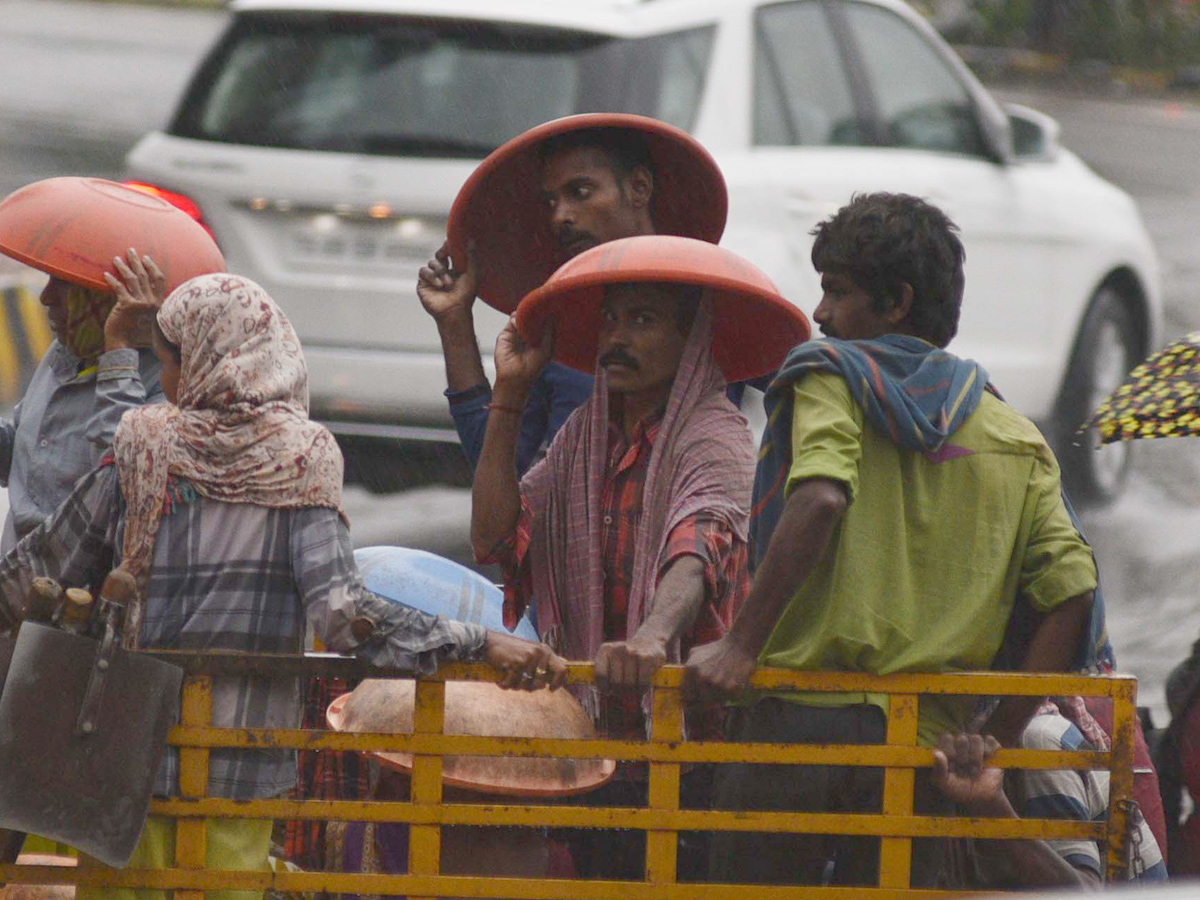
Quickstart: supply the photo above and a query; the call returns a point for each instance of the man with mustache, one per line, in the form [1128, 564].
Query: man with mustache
[906, 517]
[630, 535]
[535, 202]
[539, 200]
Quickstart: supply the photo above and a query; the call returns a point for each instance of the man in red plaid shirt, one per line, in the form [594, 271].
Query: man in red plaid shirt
[631, 533]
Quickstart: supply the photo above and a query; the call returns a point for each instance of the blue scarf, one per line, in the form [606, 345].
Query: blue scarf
[914, 393]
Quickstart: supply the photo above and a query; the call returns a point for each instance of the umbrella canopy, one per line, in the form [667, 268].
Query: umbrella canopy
[1160, 398]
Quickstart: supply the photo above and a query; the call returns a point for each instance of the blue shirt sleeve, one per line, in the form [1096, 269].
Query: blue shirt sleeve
[554, 396]
[125, 379]
[469, 409]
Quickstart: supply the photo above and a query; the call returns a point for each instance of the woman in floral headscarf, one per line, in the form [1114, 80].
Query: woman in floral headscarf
[226, 504]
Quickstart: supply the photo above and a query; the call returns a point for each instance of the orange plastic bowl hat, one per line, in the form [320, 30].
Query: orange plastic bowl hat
[481, 708]
[753, 327]
[501, 209]
[73, 227]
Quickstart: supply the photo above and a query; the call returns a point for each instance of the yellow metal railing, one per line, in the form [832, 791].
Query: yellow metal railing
[662, 819]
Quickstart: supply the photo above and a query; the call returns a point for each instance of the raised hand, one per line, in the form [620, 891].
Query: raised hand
[518, 362]
[140, 288]
[445, 290]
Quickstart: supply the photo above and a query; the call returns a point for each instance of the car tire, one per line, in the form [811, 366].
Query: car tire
[1108, 347]
[384, 467]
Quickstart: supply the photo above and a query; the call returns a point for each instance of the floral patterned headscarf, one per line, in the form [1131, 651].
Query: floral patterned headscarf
[87, 311]
[239, 430]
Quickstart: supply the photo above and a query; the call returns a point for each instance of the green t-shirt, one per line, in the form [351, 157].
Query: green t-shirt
[925, 565]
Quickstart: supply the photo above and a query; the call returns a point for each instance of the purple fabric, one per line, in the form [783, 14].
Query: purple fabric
[391, 848]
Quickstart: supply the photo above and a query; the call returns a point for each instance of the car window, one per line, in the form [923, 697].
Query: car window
[801, 92]
[423, 87]
[920, 98]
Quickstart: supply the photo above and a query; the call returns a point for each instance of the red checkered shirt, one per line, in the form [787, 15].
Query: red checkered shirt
[724, 554]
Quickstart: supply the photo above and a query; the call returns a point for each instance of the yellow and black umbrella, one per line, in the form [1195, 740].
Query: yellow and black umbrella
[1160, 398]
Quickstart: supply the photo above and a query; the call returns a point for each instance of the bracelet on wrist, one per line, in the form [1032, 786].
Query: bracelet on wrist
[505, 407]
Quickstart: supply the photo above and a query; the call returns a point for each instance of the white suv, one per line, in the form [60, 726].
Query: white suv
[323, 141]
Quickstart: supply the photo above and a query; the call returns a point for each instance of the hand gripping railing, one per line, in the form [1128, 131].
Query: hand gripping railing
[662, 819]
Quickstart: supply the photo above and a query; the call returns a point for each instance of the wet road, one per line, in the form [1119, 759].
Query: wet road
[78, 83]
[1148, 544]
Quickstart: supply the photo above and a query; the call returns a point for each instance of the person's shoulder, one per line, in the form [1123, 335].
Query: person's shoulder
[820, 386]
[1003, 429]
[717, 431]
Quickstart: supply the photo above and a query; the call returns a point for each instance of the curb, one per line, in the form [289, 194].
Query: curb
[24, 338]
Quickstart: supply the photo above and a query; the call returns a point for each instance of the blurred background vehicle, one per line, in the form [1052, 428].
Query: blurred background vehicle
[322, 141]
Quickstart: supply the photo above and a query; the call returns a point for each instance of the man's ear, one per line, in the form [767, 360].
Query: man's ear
[641, 187]
[902, 305]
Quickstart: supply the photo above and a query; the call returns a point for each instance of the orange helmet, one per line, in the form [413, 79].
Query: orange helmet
[753, 326]
[72, 227]
[500, 207]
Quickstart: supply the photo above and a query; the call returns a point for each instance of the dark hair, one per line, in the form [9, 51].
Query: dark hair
[882, 241]
[173, 349]
[624, 148]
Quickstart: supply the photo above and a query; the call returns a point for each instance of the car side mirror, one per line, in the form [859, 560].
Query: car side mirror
[1034, 134]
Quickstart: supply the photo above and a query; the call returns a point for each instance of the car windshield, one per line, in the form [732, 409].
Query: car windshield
[424, 87]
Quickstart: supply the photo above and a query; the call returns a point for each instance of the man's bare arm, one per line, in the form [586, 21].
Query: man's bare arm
[962, 773]
[677, 601]
[448, 294]
[805, 528]
[496, 490]
[1051, 650]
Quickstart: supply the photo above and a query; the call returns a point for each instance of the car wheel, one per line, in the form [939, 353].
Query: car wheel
[384, 467]
[1107, 349]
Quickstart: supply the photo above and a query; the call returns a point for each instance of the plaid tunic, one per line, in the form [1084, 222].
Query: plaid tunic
[234, 577]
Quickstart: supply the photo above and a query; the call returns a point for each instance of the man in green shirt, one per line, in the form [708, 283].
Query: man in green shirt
[903, 510]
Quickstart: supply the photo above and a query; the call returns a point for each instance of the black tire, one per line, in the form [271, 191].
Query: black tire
[384, 467]
[1108, 347]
